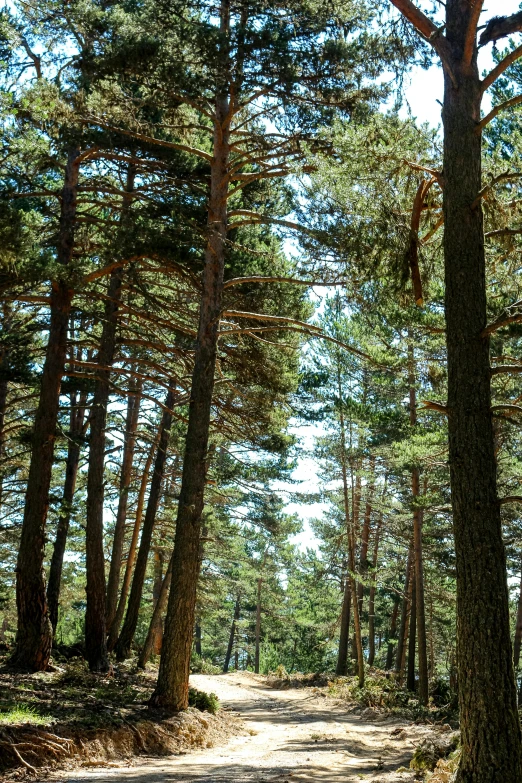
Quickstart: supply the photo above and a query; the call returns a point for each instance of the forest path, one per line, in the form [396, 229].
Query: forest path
[294, 735]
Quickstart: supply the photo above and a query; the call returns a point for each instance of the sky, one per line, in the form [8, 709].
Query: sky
[423, 94]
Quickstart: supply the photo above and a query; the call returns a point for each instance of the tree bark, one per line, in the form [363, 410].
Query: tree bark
[489, 721]
[231, 639]
[133, 411]
[373, 588]
[120, 611]
[76, 427]
[34, 633]
[123, 645]
[344, 633]
[172, 687]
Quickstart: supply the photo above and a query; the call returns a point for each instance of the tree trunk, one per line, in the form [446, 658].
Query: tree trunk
[410, 679]
[489, 721]
[77, 416]
[172, 687]
[123, 645]
[120, 611]
[417, 541]
[95, 620]
[365, 536]
[344, 634]
[35, 634]
[133, 411]
[392, 635]
[518, 629]
[4, 390]
[155, 623]
[258, 626]
[156, 592]
[232, 636]
[373, 588]
[197, 638]
[403, 629]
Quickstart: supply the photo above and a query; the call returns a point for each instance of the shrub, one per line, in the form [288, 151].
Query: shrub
[205, 702]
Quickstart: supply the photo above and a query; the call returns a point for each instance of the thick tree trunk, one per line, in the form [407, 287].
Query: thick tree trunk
[410, 679]
[344, 633]
[232, 636]
[133, 411]
[373, 588]
[127, 576]
[71, 471]
[123, 645]
[489, 721]
[392, 634]
[258, 626]
[34, 634]
[172, 686]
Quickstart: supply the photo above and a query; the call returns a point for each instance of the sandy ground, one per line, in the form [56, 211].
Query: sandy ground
[294, 735]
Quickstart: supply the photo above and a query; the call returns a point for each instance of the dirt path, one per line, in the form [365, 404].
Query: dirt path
[292, 735]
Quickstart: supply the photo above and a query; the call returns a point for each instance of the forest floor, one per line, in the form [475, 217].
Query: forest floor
[297, 735]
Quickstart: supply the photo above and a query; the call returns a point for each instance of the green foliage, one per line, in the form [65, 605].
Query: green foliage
[24, 714]
[205, 702]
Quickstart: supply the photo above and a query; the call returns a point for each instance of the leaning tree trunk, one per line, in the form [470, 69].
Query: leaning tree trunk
[35, 634]
[172, 687]
[123, 645]
[489, 721]
[129, 444]
[232, 637]
[62, 529]
[155, 623]
[344, 634]
[129, 566]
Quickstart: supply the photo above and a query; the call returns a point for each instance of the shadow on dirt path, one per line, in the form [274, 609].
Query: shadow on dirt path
[298, 736]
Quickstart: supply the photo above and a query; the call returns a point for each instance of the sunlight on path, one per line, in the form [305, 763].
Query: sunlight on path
[296, 736]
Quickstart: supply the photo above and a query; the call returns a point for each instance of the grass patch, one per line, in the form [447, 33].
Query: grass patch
[23, 714]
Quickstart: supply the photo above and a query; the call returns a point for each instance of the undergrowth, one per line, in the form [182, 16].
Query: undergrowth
[387, 693]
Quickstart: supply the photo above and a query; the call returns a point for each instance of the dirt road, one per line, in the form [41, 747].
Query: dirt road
[291, 735]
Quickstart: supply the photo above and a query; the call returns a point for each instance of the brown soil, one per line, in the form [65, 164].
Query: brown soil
[290, 735]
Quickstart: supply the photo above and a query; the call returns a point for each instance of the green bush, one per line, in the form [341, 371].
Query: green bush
[205, 702]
